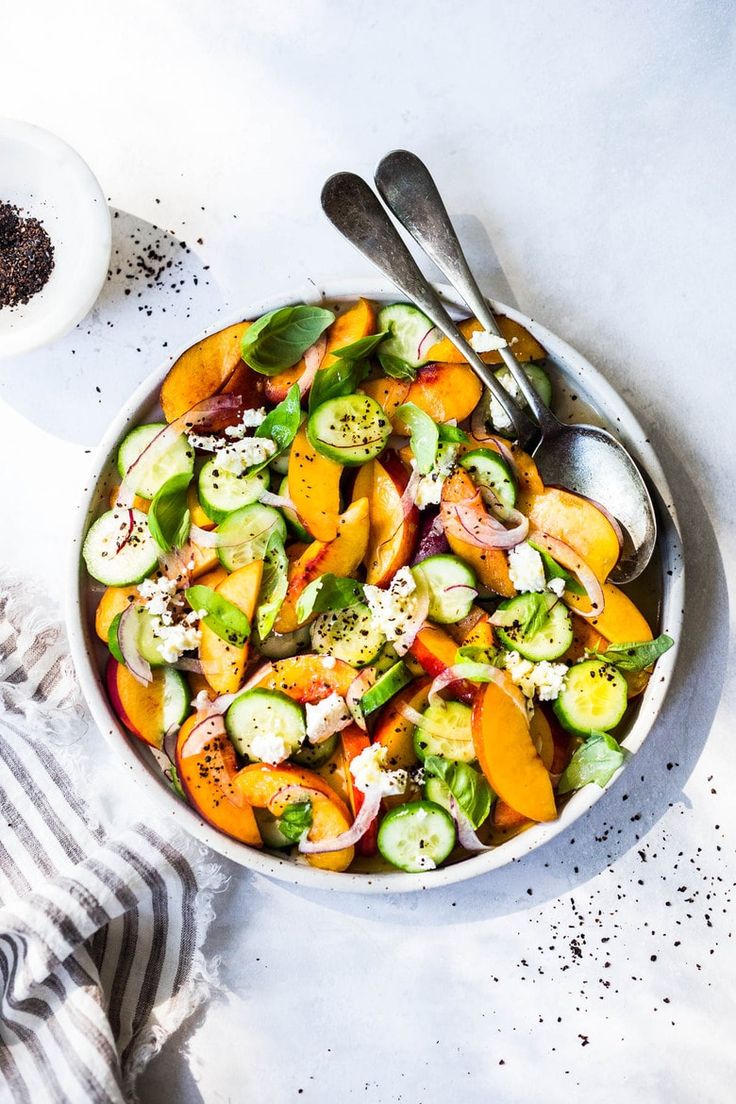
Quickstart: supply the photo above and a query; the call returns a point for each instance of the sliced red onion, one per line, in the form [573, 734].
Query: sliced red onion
[409, 494]
[175, 565]
[462, 520]
[365, 816]
[466, 835]
[358, 687]
[312, 360]
[212, 414]
[170, 738]
[209, 728]
[291, 794]
[127, 535]
[567, 557]
[476, 672]
[192, 665]
[128, 626]
[478, 424]
[430, 338]
[281, 502]
[205, 538]
[432, 539]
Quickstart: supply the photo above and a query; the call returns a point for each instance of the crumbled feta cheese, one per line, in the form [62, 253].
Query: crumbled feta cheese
[269, 748]
[543, 680]
[429, 489]
[201, 701]
[369, 772]
[483, 341]
[526, 568]
[251, 420]
[241, 455]
[172, 640]
[326, 717]
[557, 586]
[158, 597]
[328, 661]
[394, 607]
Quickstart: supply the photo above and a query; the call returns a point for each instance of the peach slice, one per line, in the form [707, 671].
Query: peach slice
[210, 367]
[490, 564]
[308, 678]
[207, 769]
[260, 784]
[579, 523]
[393, 533]
[140, 708]
[205, 560]
[541, 734]
[394, 731]
[435, 651]
[620, 622]
[506, 751]
[196, 513]
[340, 556]
[525, 346]
[314, 487]
[223, 663]
[389, 393]
[445, 392]
[353, 741]
[113, 601]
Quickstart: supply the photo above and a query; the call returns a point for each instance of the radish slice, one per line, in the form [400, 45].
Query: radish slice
[366, 815]
[466, 835]
[568, 558]
[312, 360]
[139, 668]
[212, 414]
[358, 687]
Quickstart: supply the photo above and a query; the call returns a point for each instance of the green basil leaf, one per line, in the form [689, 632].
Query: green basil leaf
[168, 516]
[173, 776]
[282, 423]
[273, 585]
[338, 379]
[396, 367]
[452, 435]
[295, 820]
[596, 760]
[279, 339]
[540, 605]
[222, 616]
[425, 436]
[553, 570]
[328, 592]
[361, 348]
[467, 785]
[474, 653]
[637, 657]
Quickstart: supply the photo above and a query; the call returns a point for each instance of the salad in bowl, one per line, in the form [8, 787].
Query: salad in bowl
[343, 609]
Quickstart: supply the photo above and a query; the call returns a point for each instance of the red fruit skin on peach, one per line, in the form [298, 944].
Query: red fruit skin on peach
[111, 672]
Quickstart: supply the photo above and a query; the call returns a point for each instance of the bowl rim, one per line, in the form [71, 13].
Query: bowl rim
[627, 427]
[42, 331]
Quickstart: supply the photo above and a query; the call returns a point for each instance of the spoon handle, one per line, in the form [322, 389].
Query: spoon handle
[408, 189]
[353, 208]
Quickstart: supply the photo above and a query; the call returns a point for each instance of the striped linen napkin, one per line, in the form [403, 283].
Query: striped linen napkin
[102, 921]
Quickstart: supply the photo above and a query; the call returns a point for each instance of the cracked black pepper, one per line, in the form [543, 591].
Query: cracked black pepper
[26, 256]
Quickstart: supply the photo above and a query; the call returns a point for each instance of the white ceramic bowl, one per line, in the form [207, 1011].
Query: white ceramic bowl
[43, 175]
[571, 373]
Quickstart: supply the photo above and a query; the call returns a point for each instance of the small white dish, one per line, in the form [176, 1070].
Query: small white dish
[45, 177]
[594, 398]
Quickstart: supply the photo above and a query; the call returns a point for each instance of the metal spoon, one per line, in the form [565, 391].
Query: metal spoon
[583, 458]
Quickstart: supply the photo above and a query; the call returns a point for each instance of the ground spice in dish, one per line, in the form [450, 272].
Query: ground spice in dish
[26, 256]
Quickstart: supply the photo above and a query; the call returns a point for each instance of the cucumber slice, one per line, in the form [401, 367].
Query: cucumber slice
[146, 639]
[386, 659]
[280, 462]
[292, 518]
[594, 698]
[316, 755]
[351, 429]
[265, 715]
[245, 533]
[177, 460]
[550, 641]
[410, 333]
[112, 640]
[389, 683]
[123, 566]
[416, 836]
[540, 382]
[350, 634]
[435, 790]
[451, 585]
[222, 492]
[488, 469]
[446, 730]
[177, 698]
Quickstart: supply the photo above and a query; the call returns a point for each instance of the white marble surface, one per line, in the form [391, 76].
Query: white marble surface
[594, 145]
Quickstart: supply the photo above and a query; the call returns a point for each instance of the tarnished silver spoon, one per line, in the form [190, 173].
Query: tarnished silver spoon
[573, 456]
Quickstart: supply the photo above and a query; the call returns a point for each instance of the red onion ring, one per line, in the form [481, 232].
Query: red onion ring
[466, 835]
[195, 666]
[175, 565]
[358, 687]
[432, 332]
[298, 793]
[280, 502]
[366, 815]
[139, 668]
[461, 520]
[213, 413]
[209, 728]
[481, 672]
[568, 558]
[312, 360]
[409, 494]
